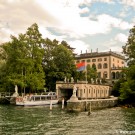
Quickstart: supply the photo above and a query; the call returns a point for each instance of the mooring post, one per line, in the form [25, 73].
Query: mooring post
[90, 107]
[63, 103]
[51, 105]
[89, 112]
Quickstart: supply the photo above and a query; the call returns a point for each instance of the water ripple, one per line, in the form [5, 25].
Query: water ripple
[41, 121]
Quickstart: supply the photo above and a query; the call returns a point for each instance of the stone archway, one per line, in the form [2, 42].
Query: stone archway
[65, 93]
[113, 75]
[117, 75]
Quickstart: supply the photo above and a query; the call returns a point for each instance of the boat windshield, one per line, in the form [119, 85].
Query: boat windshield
[42, 97]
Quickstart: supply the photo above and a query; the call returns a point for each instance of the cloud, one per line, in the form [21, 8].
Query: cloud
[89, 2]
[79, 46]
[121, 38]
[84, 10]
[61, 16]
[108, 22]
[129, 3]
[116, 49]
[21, 14]
[47, 34]
[75, 26]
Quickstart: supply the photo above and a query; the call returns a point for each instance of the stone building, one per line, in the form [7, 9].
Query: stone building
[108, 64]
[84, 90]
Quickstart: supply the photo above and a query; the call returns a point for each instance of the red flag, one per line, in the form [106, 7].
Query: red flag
[80, 66]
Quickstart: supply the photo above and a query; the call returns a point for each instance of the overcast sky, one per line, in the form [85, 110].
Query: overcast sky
[84, 24]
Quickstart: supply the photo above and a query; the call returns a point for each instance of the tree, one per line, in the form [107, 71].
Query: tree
[129, 48]
[91, 73]
[58, 62]
[127, 90]
[24, 60]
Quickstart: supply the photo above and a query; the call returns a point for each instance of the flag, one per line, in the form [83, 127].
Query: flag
[80, 66]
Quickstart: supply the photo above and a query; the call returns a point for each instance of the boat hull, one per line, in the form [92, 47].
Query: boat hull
[36, 103]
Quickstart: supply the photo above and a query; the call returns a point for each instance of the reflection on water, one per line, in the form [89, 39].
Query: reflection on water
[16, 120]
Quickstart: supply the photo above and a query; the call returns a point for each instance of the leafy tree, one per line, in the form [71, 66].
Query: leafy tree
[127, 93]
[129, 48]
[116, 87]
[91, 73]
[58, 62]
[24, 60]
[127, 90]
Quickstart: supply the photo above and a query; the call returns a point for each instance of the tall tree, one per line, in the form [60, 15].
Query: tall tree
[91, 73]
[127, 90]
[24, 61]
[59, 62]
[129, 48]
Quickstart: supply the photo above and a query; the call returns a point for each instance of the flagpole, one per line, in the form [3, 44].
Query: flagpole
[86, 72]
[86, 80]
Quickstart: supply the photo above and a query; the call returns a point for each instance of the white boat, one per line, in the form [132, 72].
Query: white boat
[37, 100]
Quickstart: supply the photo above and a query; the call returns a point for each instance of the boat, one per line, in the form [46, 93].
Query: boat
[37, 100]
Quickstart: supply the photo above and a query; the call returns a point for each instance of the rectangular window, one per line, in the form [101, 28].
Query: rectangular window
[100, 59]
[88, 60]
[93, 60]
[83, 60]
[105, 59]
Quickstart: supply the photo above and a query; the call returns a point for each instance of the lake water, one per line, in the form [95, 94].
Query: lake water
[16, 120]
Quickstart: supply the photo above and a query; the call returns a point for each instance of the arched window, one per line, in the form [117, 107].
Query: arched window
[99, 66]
[93, 66]
[105, 74]
[113, 75]
[117, 75]
[105, 65]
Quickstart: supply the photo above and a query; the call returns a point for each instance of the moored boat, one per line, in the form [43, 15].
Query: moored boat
[37, 100]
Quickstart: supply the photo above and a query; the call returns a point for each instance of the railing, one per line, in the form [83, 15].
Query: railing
[117, 68]
[4, 94]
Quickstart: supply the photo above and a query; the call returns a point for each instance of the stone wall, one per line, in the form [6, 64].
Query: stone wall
[84, 91]
[86, 105]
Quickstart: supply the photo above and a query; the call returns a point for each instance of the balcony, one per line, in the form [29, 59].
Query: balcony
[117, 68]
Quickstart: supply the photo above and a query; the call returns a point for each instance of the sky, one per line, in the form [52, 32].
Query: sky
[84, 24]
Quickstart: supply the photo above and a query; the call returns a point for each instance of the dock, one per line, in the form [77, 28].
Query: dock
[91, 104]
[5, 97]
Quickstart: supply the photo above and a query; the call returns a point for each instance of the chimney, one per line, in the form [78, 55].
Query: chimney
[81, 51]
[97, 50]
[91, 50]
[86, 51]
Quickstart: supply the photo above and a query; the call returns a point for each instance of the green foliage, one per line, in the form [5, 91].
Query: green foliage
[116, 87]
[24, 60]
[33, 63]
[91, 73]
[129, 48]
[127, 90]
[58, 62]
